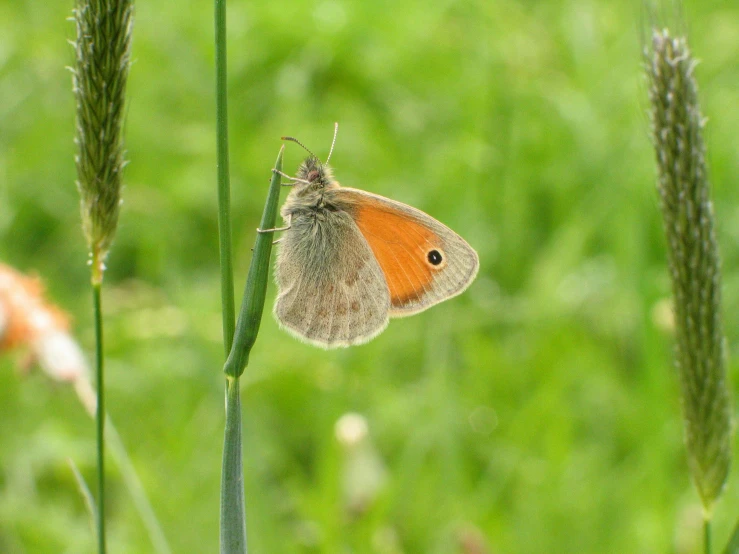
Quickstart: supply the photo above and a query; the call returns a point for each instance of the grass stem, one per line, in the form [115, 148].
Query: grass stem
[224, 186]
[99, 413]
[100, 75]
[233, 512]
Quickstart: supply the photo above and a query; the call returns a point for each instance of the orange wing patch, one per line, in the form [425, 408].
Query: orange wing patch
[402, 247]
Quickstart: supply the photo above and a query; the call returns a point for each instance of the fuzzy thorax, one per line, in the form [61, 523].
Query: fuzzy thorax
[314, 178]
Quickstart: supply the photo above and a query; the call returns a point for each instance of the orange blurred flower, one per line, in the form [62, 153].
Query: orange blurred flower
[27, 320]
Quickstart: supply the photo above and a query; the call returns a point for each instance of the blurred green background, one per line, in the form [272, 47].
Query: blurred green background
[536, 413]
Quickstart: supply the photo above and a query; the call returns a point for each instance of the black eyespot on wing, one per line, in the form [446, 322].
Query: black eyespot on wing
[434, 257]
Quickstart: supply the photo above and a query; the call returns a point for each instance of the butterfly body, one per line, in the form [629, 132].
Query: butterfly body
[350, 260]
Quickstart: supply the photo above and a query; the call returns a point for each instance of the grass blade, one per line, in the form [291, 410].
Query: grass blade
[85, 492]
[233, 513]
[252, 305]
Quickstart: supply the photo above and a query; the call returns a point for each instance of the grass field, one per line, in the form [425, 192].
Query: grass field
[537, 413]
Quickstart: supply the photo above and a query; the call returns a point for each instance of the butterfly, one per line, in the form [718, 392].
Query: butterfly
[349, 260]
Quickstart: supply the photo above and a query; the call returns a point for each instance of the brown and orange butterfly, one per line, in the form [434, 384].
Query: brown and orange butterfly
[349, 260]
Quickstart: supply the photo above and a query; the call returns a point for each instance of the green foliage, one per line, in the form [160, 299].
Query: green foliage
[538, 411]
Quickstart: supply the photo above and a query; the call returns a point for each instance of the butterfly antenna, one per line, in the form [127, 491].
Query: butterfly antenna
[333, 142]
[301, 144]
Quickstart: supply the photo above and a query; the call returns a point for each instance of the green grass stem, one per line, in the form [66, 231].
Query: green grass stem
[233, 521]
[224, 186]
[233, 512]
[100, 75]
[99, 412]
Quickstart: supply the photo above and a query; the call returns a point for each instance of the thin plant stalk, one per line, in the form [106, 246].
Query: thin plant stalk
[233, 512]
[99, 412]
[102, 46]
[224, 186]
[114, 445]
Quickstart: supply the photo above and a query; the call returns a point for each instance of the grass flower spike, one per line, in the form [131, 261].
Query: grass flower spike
[677, 132]
[102, 47]
[103, 51]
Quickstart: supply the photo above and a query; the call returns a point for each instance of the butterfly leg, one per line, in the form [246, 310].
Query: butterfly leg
[286, 176]
[285, 228]
[278, 241]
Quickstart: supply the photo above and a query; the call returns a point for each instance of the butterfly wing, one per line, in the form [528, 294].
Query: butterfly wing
[423, 261]
[331, 289]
